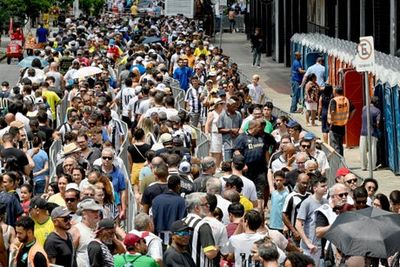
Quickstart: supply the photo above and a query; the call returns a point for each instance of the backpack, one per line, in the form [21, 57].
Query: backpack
[130, 264]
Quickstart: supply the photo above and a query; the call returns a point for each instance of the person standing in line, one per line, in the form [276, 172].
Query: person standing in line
[256, 92]
[311, 99]
[58, 244]
[257, 45]
[340, 111]
[30, 253]
[297, 78]
[177, 254]
[232, 19]
[375, 114]
[323, 104]
[319, 70]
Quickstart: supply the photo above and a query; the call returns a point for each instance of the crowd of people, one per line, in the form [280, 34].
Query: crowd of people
[208, 211]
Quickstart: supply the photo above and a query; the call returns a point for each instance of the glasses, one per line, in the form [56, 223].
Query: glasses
[70, 200]
[341, 195]
[352, 181]
[183, 233]
[92, 123]
[66, 219]
[306, 146]
[107, 158]
[300, 162]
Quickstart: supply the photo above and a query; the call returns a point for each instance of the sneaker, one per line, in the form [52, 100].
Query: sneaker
[259, 67]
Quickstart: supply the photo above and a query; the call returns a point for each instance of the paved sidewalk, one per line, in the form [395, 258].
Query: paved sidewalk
[276, 79]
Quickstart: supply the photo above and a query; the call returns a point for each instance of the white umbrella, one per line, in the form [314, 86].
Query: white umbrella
[85, 72]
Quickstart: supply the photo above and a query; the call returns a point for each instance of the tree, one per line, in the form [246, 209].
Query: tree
[92, 7]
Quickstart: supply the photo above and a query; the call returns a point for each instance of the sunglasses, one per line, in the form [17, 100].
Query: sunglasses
[305, 146]
[107, 158]
[66, 219]
[183, 233]
[70, 200]
[351, 181]
[341, 195]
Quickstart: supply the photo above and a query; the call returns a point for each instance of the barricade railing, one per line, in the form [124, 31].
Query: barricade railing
[55, 147]
[239, 23]
[131, 207]
[62, 110]
[178, 93]
[203, 144]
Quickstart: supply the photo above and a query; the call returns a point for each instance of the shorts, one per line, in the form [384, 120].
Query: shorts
[311, 105]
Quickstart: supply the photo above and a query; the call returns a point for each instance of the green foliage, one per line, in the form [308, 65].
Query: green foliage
[91, 7]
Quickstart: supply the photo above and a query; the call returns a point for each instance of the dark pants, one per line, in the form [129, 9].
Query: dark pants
[336, 142]
[127, 121]
[39, 187]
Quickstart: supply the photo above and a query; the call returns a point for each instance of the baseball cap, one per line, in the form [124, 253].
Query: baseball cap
[131, 239]
[175, 118]
[291, 123]
[342, 171]
[106, 223]
[38, 203]
[178, 226]
[309, 136]
[184, 167]
[88, 204]
[165, 138]
[73, 186]
[60, 212]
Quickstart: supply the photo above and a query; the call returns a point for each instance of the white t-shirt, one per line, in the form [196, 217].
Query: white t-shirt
[223, 204]
[154, 244]
[219, 233]
[256, 93]
[248, 190]
[127, 97]
[171, 112]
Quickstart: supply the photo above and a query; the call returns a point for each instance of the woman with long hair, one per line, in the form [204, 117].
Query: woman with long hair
[281, 128]
[311, 99]
[148, 127]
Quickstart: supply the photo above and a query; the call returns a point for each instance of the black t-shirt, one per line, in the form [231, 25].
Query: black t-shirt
[174, 258]
[49, 136]
[291, 177]
[321, 221]
[152, 191]
[134, 152]
[99, 255]
[22, 257]
[22, 160]
[60, 249]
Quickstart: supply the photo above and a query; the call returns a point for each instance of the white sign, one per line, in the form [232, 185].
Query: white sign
[174, 7]
[365, 59]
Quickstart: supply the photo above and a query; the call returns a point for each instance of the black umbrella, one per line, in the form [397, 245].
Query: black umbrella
[368, 232]
[151, 39]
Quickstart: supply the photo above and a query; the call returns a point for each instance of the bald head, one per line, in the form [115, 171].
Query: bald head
[232, 195]
[9, 117]
[157, 161]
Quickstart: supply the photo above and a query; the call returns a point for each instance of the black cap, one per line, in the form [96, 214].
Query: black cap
[39, 203]
[178, 226]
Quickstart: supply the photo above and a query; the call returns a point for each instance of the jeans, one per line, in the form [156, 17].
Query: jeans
[256, 57]
[296, 96]
[39, 187]
[232, 24]
[336, 142]
[228, 153]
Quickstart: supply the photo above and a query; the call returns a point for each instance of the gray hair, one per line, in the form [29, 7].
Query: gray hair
[302, 155]
[142, 221]
[336, 187]
[214, 186]
[109, 149]
[208, 163]
[193, 200]
[310, 163]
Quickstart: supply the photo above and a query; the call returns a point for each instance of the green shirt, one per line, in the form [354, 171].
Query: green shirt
[267, 129]
[139, 260]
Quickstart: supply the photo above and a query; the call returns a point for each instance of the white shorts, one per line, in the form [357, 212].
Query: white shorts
[311, 106]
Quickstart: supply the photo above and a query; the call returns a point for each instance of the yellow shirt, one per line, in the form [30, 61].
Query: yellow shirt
[52, 99]
[42, 231]
[198, 52]
[246, 203]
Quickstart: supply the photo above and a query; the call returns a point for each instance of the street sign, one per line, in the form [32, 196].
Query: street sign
[365, 58]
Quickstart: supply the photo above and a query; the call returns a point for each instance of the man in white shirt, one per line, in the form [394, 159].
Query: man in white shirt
[256, 91]
[126, 96]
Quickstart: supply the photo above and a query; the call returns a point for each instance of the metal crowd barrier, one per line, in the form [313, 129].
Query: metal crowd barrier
[55, 147]
[131, 207]
[239, 23]
[178, 94]
[203, 144]
[62, 110]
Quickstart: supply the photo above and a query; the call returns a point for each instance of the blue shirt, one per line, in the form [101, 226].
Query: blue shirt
[319, 71]
[296, 75]
[42, 35]
[40, 160]
[140, 67]
[118, 180]
[183, 74]
[375, 118]
[277, 201]
[167, 208]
